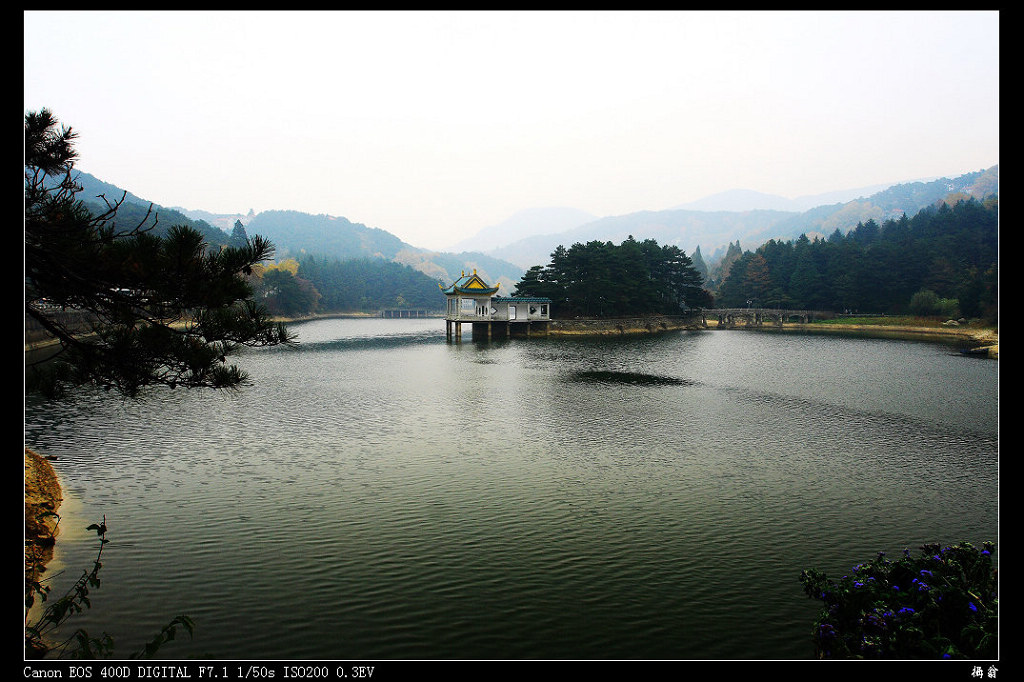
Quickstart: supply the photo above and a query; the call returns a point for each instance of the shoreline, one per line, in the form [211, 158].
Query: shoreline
[984, 341]
[650, 324]
[981, 341]
[43, 497]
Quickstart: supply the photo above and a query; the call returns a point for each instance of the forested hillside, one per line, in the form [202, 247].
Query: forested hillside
[298, 234]
[944, 260]
[316, 284]
[946, 255]
[323, 263]
[890, 203]
[134, 212]
[369, 284]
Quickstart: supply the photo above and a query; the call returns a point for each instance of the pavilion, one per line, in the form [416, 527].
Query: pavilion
[470, 299]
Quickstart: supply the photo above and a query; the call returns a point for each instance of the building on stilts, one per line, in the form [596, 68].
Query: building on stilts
[471, 300]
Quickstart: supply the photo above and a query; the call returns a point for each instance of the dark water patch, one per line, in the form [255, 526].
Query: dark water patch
[628, 378]
[371, 343]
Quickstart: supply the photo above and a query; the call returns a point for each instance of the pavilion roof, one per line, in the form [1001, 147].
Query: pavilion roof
[470, 284]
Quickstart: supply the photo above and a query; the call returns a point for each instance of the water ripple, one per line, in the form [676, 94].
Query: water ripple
[383, 494]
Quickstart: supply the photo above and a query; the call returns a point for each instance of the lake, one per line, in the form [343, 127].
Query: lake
[379, 493]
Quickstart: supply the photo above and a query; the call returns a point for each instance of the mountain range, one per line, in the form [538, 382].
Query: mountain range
[502, 252]
[753, 218]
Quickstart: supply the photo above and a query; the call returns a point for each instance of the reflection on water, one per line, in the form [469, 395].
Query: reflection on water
[380, 493]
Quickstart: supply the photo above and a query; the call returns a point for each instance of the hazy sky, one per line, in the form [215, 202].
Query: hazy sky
[433, 125]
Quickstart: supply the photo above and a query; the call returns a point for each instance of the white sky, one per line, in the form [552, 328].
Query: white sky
[434, 125]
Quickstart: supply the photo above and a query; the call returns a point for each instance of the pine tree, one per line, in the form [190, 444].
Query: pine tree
[238, 236]
[700, 265]
[600, 279]
[129, 309]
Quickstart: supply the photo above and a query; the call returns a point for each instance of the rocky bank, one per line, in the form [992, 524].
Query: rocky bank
[620, 326]
[43, 496]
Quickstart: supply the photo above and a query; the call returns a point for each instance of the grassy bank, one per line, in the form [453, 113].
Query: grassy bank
[904, 321]
[977, 336]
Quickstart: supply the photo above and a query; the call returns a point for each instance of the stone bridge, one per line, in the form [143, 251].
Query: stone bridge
[407, 312]
[757, 317]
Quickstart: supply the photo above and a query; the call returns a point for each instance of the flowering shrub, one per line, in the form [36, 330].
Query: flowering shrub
[942, 604]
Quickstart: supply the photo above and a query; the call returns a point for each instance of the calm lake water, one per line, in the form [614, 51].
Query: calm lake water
[379, 493]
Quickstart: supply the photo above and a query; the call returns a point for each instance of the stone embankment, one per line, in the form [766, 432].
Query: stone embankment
[621, 326]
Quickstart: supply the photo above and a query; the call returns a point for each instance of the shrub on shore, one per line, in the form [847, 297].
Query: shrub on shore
[941, 604]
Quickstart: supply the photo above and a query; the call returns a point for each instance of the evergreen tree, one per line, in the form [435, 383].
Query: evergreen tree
[733, 293]
[952, 251]
[238, 236]
[700, 266]
[363, 284]
[531, 283]
[288, 295]
[806, 285]
[129, 309]
[757, 280]
[866, 233]
[601, 279]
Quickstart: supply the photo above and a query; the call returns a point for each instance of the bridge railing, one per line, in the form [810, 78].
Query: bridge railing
[757, 316]
[407, 312]
[819, 314]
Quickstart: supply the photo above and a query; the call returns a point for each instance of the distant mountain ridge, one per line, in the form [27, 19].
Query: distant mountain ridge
[523, 224]
[98, 195]
[702, 223]
[750, 200]
[295, 234]
[714, 230]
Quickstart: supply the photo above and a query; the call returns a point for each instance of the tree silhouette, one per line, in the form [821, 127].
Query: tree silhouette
[129, 309]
